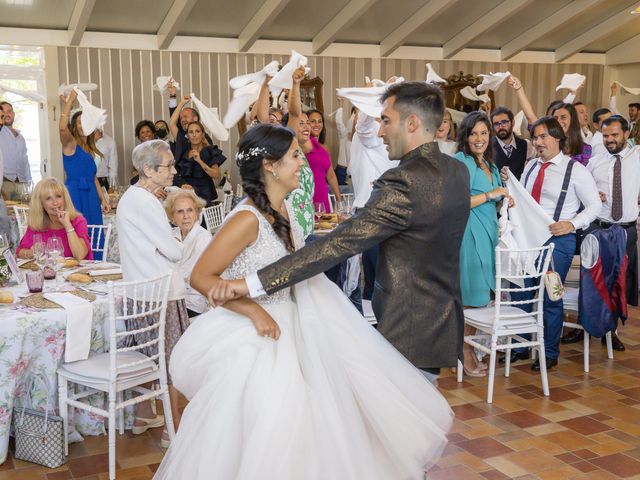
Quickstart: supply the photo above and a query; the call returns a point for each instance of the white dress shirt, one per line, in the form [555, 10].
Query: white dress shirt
[14, 151]
[601, 167]
[531, 151]
[597, 145]
[108, 167]
[582, 190]
[587, 134]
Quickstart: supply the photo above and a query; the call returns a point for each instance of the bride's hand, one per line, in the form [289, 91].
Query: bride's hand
[223, 291]
[265, 325]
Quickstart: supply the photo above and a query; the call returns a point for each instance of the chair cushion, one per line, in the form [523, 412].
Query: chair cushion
[96, 367]
[485, 316]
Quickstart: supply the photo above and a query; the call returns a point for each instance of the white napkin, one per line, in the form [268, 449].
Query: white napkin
[492, 81]
[210, 119]
[571, 81]
[162, 83]
[366, 99]
[92, 117]
[520, 124]
[65, 89]
[258, 77]
[470, 93]
[432, 76]
[28, 94]
[79, 319]
[630, 90]
[105, 271]
[456, 115]
[283, 79]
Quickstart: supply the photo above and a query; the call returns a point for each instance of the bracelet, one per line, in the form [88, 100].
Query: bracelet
[487, 198]
[70, 230]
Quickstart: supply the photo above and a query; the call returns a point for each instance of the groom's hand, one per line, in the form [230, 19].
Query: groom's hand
[223, 291]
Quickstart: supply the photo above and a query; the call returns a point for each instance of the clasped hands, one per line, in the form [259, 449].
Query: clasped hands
[223, 291]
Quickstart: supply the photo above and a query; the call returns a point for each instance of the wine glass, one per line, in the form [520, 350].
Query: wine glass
[39, 251]
[55, 252]
[319, 209]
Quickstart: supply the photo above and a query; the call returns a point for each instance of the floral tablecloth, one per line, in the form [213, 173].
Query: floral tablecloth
[32, 341]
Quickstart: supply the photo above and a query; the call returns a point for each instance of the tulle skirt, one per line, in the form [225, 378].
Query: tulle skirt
[331, 399]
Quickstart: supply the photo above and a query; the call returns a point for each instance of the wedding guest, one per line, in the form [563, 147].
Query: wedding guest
[575, 146]
[145, 131]
[345, 136]
[13, 146]
[148, 249]
[162, 130]
[509, 150]
[52, 214]
[184, 207]
[318, 127]
[445, 135]
[108, 166]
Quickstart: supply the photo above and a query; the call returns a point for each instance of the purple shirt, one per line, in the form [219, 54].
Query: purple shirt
[79, 224]
[584, 157]
[320, 163]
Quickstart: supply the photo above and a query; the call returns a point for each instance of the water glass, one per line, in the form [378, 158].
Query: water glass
[35, 280]
[55, 253]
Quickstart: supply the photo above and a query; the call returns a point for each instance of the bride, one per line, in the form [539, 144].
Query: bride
[296, 385]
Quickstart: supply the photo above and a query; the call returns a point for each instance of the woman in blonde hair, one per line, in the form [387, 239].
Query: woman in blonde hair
[78, 152]
[52, 214]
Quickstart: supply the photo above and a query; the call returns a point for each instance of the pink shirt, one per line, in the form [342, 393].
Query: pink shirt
[320, 163]
[79, 225]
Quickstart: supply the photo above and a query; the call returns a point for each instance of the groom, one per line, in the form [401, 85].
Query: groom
[417, 213]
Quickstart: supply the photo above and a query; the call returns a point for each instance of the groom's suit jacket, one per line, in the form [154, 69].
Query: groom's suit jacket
[417, 213]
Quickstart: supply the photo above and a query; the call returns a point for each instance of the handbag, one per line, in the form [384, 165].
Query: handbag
[39, 436]
[553, 284]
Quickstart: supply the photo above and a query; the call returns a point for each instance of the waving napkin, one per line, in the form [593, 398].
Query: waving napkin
[470, 93]
[246, 89]
[520, 124]
[283, 79]
[432, 76]
[210, 119]
[572, 81]
[79, 319]
[162, 84]
[65, 89]
[624, 90]
[28, 94]
[492, 81]
[366, 99]
[92, 117]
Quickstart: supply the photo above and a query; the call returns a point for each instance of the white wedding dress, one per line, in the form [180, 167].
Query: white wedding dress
[330, 400]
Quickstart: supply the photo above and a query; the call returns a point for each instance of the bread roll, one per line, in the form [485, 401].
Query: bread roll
[70, 263]
[325, 225]
[6, 296]
[79, 277]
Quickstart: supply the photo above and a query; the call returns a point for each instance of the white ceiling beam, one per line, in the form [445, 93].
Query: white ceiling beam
[565, 14]
[595, 33]
[263, 17]
[343, 19]
[483, 24]
[173, 21]
[396, 38]
[626, 52]
[79, 20]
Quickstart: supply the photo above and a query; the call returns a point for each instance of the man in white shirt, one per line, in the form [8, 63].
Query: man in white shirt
[597, 144]
[108, 167]
[560, 186]
[617, 176]
[634, 108]
[14, 150]
[583, 118]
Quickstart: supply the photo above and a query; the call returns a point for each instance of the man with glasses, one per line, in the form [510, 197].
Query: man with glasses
[509, 150]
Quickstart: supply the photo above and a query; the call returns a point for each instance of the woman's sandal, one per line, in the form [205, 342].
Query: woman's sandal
[476, 372]
[165, 441]
[148, 423]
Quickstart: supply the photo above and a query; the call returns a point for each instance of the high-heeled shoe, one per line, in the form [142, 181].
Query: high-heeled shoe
[476, 372]
[148, 423]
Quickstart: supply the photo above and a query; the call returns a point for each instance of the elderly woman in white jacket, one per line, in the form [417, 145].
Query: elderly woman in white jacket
[183, 208]
[148, 249]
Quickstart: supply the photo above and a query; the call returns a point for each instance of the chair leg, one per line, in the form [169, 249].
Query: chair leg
[492, 371]
[119, 397]
[459, 371]
[112, 438]
[64, 411]
[507, 358]
[609, 345]
[543, 370]
[168, 414]
[587, 339]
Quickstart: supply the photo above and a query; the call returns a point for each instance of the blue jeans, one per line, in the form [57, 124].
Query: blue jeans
[565, 248]
[341, 175]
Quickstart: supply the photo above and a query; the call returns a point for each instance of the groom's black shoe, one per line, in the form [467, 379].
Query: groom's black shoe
[515, 357]
[551, 362]
[575, 335]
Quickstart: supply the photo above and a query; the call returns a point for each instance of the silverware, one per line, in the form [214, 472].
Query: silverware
[90, 290]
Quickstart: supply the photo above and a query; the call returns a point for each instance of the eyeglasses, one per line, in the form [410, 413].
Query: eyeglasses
[171, 165]
[501, 123]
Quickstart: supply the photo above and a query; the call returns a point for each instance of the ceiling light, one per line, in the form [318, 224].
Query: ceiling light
[637, 10]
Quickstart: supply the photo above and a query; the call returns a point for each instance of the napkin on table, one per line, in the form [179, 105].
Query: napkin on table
[79, 320]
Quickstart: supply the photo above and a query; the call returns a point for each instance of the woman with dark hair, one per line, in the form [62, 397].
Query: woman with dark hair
[78, 152]
[145, 131]
[162, 130]
[279, 388]
[477, 253]
[318, 128]
[575, 146]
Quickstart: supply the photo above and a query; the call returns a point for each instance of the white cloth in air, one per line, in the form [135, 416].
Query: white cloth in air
[162, 84]
[492, 81]
[432, 76]
[210, 119]
[92, 117]
[572, 81]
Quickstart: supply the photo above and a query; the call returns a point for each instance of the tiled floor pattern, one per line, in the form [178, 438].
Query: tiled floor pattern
[588, 429]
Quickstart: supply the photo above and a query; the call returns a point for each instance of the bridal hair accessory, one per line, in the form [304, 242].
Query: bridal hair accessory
[241, 157]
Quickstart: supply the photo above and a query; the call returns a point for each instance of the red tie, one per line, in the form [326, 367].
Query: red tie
[537, 185]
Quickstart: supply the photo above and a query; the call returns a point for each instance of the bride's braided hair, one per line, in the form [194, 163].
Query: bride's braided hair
[270, 142]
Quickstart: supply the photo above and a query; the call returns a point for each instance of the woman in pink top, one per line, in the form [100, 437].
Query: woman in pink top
[323, 174]
[51, 213]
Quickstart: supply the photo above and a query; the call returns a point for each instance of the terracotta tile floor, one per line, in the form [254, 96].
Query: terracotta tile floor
[589, 428]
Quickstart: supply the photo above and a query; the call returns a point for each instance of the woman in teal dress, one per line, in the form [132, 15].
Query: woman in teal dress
[477, 253]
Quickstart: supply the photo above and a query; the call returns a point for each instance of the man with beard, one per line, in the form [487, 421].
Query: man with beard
[509, 150]
[16, 171]
[617, 176]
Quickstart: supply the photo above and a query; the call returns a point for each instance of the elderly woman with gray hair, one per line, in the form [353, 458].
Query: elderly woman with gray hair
[183, 208]
[148, 249]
